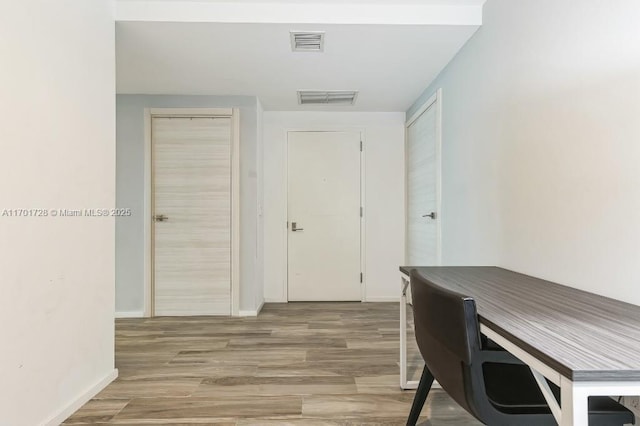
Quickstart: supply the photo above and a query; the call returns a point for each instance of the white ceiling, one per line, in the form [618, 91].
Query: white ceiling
[388, 50]
[379, 12]
[384, 2]
[389, 64]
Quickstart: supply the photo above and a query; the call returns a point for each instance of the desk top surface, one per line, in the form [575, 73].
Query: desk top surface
[583, 336]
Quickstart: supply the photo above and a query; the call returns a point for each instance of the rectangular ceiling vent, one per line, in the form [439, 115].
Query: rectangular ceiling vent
[327, 97]
[307, 41]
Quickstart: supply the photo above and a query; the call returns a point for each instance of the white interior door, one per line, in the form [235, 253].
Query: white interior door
[192, 215]
[422, 189]
[324, 205]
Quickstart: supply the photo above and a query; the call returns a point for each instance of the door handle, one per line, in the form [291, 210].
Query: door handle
[432, 215]
[295, 228]
[160, 218]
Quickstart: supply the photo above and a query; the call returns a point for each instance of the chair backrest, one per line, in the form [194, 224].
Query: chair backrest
[448, 335]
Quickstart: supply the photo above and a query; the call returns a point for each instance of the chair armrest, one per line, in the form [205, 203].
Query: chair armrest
[499, 357]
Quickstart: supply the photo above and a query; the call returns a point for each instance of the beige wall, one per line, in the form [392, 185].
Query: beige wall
[541, 152]
[57, 124]
[384, 195]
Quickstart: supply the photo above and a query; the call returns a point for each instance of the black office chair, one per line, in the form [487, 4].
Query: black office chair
[492, 385]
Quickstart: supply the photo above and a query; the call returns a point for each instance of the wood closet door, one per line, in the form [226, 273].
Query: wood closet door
[192, 215]
[422, 191]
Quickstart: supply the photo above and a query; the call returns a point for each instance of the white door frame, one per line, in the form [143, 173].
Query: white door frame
[234, 114]
[435, 99]
[328, 129]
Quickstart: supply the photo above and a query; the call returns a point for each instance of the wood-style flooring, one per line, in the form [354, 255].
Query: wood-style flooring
[295, 364]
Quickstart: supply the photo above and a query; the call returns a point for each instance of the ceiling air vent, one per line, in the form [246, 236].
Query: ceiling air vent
[307, 41]
[331, 97]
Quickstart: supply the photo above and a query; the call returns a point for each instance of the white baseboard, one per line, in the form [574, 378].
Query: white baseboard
[276, 300]
[383, 299]
[130, 314]
[81, 399]
[251, 313]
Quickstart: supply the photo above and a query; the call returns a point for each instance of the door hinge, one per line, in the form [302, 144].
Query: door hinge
[361, 211]
[361, 277]
[360, 146]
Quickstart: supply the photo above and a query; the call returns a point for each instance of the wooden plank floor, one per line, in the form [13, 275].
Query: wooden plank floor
[296, 364]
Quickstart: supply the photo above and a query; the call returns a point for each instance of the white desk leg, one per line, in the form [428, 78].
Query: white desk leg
[404, 384]
[403, 335]
[575, 404]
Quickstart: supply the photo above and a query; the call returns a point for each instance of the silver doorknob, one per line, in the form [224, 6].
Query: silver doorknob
[295, 228]
[432, 215]
[160, 218]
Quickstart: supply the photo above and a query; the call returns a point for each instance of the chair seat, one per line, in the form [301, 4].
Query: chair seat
[512, 389]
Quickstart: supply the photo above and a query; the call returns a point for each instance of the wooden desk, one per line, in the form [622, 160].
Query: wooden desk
[587, 344]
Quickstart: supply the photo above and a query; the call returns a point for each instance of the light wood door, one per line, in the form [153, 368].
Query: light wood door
[324, 201]
[422, 191]
[192, 215]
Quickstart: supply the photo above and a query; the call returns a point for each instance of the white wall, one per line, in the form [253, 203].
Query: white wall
[541, 147]
[57, 115]
[384, 197]
[130, 194]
